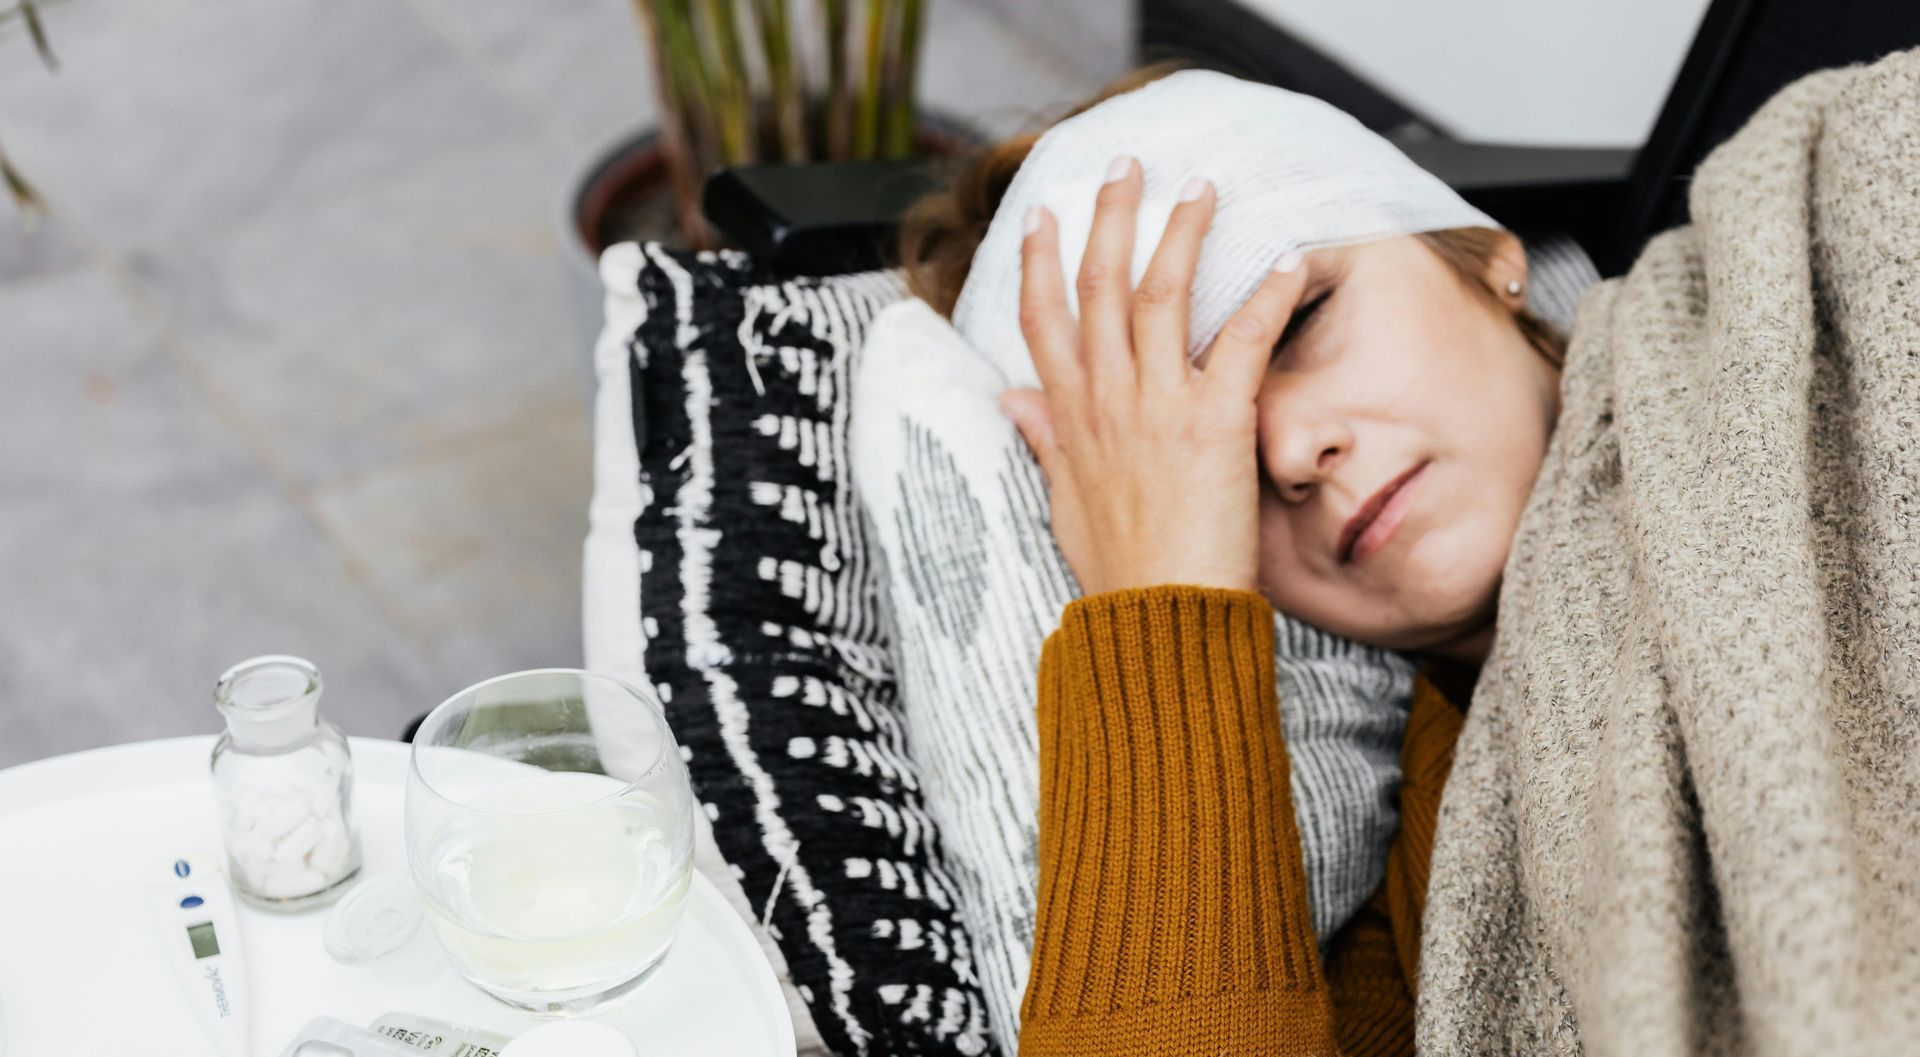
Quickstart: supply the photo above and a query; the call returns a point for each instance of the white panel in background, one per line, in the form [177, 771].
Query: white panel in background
[1585, 72]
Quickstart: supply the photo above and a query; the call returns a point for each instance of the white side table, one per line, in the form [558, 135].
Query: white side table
[81, 968]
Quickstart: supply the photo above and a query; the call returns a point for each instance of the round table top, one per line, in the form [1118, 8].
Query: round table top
[82, 967]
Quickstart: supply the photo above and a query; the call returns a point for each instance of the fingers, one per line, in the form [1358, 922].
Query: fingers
[1238, 358]
[1046, 321]
[1030, 414]
[1160, 302]
[1105, 283]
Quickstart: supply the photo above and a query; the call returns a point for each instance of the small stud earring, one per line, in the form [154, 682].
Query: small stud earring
[1513, 287]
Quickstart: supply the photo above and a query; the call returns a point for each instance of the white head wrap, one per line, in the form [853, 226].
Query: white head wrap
[1291, 173]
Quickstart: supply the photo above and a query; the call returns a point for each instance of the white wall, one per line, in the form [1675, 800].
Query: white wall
[1589, 72]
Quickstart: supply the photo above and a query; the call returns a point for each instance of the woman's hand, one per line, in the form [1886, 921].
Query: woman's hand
[1151, 460]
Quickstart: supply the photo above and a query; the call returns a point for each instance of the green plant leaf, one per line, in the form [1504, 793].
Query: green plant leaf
[902, 90]
[32, 206]
[838, 104]
[677, 138]
[719, 108]
[694, 89]
[30, 12]
[784, 80]
[866, 123]
[734, 99]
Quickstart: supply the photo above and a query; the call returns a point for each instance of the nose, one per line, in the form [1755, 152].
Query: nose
[1300, 445]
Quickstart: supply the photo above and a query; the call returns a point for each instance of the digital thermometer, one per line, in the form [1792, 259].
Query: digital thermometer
[193, 912]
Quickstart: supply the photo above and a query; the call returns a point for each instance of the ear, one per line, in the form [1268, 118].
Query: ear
[1506, 272]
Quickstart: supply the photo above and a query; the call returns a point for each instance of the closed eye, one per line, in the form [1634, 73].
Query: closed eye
[1302, 316]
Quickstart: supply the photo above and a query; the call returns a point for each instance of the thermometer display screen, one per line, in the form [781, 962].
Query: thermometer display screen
[205, 944]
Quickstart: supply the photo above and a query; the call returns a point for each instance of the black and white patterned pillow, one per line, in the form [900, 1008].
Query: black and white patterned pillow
[762, 620]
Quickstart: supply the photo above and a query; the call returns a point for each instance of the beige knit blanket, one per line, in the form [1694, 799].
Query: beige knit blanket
[1684, 817]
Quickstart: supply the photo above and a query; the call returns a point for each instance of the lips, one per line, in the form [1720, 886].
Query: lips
[1363, 517]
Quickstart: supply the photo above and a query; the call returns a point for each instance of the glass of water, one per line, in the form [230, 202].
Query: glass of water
[550, 832]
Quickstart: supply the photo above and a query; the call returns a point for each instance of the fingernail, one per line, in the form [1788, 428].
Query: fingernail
[1120, 167]
[1032, 222]
[1193, 190]
[1288, 262]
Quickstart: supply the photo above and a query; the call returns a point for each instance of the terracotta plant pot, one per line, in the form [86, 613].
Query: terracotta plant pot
[627, 194]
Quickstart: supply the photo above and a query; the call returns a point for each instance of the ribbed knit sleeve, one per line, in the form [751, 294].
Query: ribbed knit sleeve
[1172, 914]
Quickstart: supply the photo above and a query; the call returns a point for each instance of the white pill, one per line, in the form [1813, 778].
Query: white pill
[295, 844]
[330, 854]
[272, 813]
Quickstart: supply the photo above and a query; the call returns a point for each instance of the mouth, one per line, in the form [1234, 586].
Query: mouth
[1372, 525]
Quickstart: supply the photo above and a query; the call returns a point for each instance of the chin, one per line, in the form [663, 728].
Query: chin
[1443, 588]
[1446, 598]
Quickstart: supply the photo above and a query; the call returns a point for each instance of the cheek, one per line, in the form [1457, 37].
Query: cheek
[1452, 575]
[1326, 597]
[1453, 572]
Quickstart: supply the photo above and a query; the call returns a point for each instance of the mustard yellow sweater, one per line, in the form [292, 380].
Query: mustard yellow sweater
[1172, 914]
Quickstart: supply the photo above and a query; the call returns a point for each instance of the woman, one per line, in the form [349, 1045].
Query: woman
[1355, 448]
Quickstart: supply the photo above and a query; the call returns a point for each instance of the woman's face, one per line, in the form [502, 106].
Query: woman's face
[1392, 365]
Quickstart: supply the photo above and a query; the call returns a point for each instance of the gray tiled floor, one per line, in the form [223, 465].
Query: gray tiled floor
[295, 366]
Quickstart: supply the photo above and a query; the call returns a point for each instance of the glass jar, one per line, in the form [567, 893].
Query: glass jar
[283, 778]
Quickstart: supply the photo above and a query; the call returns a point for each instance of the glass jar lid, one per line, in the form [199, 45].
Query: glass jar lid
[270, 699]
[266, 685]
[373, 920]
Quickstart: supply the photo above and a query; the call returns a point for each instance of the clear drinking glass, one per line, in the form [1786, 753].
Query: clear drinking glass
[550, 832]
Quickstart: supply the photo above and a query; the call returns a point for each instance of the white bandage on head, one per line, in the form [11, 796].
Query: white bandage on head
[1291, 173]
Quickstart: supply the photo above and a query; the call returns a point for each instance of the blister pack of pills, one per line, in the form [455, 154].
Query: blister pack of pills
[437, 1037]
[327, 1037]
[393, 1035]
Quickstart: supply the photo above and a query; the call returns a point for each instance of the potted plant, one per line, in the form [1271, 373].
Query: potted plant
[756, 81]
[24, 196]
